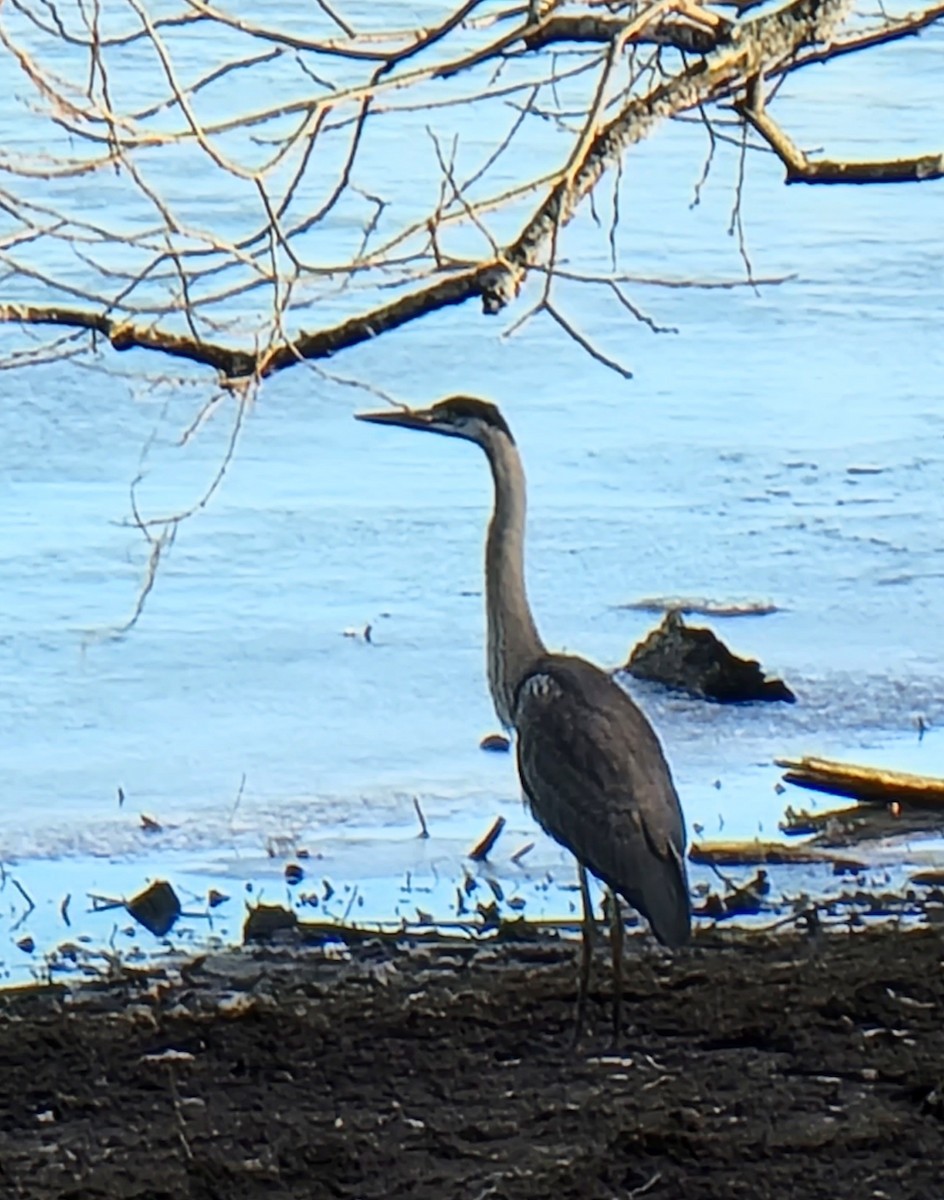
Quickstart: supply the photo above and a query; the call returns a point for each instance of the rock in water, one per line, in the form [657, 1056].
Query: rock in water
[696, 661]
[156, 908]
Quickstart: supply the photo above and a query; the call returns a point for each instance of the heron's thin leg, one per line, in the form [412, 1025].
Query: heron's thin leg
[616, 945]
[586, 953]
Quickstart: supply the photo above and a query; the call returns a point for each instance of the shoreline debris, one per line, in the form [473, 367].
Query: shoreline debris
[265, 921]
[887, 803]
[757, 853]
[481, 850]
[868, 785]
[744, 900]
[156, 908]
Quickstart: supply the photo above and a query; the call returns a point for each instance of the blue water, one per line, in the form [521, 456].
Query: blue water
[785, 446]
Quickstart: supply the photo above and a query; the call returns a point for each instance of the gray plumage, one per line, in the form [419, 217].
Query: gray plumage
[590, 763]
[598, 783]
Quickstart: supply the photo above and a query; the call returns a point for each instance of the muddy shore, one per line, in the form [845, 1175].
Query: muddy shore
[753, 1067]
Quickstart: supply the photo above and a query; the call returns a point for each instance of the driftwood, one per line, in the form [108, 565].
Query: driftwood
[481, 850]
[755, 853]
[931, 878]
[745, 901]
[869, 785]
[860, 823]
[694, 660]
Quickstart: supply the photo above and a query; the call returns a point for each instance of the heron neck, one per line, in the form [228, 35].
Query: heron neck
[513, 641]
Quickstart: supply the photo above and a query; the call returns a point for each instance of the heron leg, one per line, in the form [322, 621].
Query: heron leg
[586, 953]
[616, 945]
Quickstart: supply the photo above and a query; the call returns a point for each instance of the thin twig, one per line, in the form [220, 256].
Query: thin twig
[424, 832]
[24, 893]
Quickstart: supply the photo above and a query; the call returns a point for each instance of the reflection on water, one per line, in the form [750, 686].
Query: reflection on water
[783, 446]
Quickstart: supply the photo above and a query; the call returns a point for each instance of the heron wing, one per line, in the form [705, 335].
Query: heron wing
[598, 783]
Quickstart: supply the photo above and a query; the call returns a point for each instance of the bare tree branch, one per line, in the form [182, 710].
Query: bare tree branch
[172, 282]
[802, 169]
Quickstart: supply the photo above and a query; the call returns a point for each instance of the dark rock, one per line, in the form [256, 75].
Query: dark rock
[495, 742]
[696, 661]
[156, 908]
[267, 921]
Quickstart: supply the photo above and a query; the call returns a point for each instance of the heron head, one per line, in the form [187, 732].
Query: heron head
[457, 416]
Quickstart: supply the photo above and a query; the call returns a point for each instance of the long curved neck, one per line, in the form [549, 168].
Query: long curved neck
[513, 641]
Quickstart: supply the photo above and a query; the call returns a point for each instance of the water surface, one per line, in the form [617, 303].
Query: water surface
[784, 445]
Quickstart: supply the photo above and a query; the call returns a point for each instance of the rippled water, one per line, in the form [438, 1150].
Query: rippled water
[783, 446]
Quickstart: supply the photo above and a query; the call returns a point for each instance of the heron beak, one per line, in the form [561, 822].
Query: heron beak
[420, 418]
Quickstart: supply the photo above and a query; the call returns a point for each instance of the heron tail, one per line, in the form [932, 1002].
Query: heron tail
[666, 904]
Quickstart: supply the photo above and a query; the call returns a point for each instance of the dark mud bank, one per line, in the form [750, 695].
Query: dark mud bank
[754, 1067]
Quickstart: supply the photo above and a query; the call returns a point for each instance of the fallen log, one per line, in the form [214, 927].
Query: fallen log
[869, 785]
[756, 853]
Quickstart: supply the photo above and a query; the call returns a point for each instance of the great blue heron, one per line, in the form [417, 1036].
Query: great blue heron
[590, 763]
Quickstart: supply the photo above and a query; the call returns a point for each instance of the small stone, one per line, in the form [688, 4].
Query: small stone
[169, 1057]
